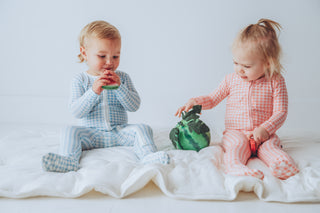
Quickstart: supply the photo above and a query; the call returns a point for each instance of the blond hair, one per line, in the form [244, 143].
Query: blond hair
[264, 38]
[97, 29]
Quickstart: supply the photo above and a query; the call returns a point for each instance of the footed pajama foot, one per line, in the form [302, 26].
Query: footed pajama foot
[57, 163]
[156, 157]
[283, 169]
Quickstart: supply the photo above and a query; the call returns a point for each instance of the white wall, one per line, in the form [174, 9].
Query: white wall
[173, 50]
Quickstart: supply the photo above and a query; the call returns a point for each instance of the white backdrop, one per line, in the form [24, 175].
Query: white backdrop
[172, 49]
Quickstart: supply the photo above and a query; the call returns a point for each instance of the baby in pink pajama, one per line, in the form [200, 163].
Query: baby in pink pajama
[257, 103]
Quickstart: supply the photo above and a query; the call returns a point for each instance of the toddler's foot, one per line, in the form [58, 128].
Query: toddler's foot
[245, 171]
[57, 163]
[283, 169]
[156, 157]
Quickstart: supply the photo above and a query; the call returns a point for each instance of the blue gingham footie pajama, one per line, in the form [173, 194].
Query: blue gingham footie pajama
[103, 121]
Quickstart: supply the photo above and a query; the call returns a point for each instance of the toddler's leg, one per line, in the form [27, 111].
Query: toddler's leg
[140, 136]
[237, 153]
[73, 140]
[281, 164]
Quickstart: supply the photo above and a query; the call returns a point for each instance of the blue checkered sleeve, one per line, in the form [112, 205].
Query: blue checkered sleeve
[127, 94]
[82, 99]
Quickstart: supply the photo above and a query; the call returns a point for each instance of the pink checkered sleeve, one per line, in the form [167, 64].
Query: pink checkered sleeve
[214, 98]
[280, 106]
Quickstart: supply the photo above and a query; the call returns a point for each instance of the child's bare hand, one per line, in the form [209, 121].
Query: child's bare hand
[106, 78]
[186, 107]
[112, 77]
[260, 135]
[98, 83]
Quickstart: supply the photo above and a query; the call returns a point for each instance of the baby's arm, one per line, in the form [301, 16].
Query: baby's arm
[127, 94]
[208, 101]
[82, 101]
[280, 107]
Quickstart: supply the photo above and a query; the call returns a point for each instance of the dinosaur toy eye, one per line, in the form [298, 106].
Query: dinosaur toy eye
[190, 133]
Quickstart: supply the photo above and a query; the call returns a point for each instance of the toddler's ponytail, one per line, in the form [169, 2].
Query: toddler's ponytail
[263, 35]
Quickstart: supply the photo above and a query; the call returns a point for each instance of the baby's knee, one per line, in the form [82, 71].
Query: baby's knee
[144, 129]
[234, 140]
[235, 144]
[74, 133]
[70, 129]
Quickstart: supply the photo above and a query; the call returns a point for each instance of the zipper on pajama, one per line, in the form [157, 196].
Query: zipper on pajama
[106, 109]
[250, 105]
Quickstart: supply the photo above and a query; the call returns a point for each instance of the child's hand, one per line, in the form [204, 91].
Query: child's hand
[106, 78]
[260, 135]
[112, 77]
[98, 83]
[186, 107]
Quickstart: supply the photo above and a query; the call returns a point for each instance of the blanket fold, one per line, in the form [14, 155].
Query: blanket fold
[117, 172]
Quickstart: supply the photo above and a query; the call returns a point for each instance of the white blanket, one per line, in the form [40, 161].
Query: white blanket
[116, 171]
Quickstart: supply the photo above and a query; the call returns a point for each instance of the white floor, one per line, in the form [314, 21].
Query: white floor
[150, 200]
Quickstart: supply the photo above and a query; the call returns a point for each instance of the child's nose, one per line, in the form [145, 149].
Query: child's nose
[240, 70]
[109, 61]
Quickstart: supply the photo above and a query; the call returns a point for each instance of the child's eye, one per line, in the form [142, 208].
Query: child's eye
[115, 57]
[101, 56]
[247, 67]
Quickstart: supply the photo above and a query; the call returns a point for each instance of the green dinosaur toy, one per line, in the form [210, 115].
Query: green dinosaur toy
[190, 133]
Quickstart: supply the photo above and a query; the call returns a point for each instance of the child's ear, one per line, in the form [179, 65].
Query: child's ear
[83, 52]
[267, 68]
[267, 64]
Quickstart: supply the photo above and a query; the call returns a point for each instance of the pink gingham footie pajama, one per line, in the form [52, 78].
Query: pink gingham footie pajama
[260, 103]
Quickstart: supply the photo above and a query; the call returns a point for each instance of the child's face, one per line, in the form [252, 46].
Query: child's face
[248, 65]
[101, 55]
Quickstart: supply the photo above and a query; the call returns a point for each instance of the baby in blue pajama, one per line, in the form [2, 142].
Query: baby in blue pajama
[102, 113]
